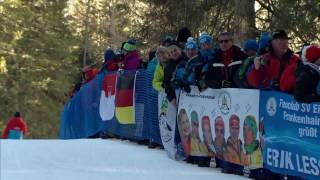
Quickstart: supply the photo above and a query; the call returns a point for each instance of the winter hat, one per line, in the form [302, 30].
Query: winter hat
[17, 114]
[183, 34]
[191, 44]
[265, 40]
[168, 38]
[251, 44]
[264, 43]
[130, 45]
[194, 117]
[280, 34]
[310, 53]
[250, 121]
[205, 38]
[108, 54]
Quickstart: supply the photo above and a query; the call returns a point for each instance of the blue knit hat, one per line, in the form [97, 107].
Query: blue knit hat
[265, 40]
[205, 38]
[108, 54]
[251, 44]
[191, 44]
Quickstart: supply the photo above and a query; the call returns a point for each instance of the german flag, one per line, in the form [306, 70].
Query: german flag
[125, 98]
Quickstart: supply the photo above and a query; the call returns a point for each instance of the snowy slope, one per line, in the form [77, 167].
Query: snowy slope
[94, 160]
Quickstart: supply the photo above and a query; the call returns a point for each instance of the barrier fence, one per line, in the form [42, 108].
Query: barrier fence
[243, 129]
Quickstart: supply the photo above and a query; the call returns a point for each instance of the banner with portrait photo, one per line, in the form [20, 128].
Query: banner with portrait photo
[291, 141]
[221, 122]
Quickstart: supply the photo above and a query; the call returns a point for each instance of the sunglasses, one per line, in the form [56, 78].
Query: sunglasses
[224, 41]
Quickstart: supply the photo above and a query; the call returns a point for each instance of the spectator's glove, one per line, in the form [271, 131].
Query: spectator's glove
[187, 88]
[275, 85]
[225, 84]
[201, 85]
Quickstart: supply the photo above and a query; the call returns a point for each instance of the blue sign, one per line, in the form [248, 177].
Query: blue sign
[291, 139]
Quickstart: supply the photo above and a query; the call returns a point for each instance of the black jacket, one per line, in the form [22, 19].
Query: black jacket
[218, 73]
[169, 71]
[307, 80]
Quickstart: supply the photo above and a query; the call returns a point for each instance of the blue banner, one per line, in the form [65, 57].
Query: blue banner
[81, 116]
[291, 140]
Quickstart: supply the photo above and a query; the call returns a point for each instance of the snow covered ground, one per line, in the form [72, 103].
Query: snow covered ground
[87, 159]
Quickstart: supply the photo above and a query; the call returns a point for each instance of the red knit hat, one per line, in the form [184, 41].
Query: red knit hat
[310, 53]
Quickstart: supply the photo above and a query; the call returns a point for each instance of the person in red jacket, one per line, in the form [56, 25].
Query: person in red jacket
[89, 73]
[15, 128]
[275, 69]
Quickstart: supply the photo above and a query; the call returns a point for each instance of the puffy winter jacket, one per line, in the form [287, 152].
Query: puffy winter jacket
[224, 68]
[194, 70]
[152, 65]
[306, 84]
[157, 82]
[275, 73]
[15, 124]
[240, 78]
[132, 60]
[169, 72]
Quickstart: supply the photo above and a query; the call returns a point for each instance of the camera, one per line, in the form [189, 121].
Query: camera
[263, 61]
[118, 57]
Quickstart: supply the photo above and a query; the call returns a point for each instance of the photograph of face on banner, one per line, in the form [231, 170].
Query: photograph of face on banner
[207, 135]
[223, 123]
[184, 127]
[219, 140]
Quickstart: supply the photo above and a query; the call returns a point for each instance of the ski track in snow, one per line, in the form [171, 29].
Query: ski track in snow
[95, 159]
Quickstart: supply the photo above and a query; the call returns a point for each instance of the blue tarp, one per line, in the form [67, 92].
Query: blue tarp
[81, 119]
